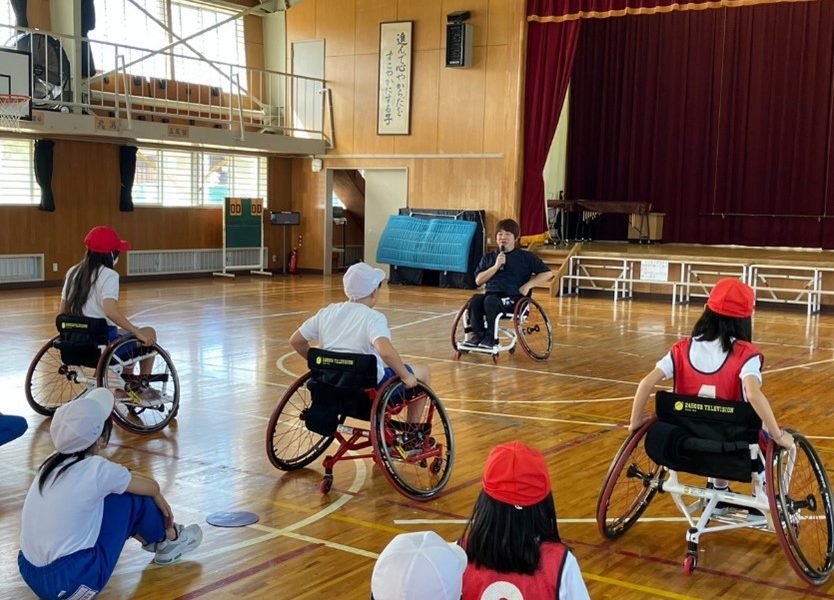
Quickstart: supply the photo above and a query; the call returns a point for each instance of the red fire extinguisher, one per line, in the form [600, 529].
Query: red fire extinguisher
[292, 266]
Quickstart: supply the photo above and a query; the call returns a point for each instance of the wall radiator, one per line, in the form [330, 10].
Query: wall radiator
[21, 267]
[201, 260]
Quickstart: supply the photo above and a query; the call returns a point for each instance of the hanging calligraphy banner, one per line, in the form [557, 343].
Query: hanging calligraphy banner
[394, 108]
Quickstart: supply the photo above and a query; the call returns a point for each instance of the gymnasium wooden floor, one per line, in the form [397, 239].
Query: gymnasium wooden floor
[229, 342]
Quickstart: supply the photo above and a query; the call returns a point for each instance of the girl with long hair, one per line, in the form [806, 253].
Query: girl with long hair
[512, 538]
[91, 289]
[718, 360]
[81, 508]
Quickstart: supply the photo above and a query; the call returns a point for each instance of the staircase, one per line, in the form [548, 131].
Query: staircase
[556, 257]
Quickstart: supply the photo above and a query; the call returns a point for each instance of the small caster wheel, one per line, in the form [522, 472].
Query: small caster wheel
[512, 350]
[689, 564]
[423, 463]
[495, 359]
[457, 355]
[326, 484]
[436, 465]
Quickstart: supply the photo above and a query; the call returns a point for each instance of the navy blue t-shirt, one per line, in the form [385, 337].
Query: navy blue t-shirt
[519, 268]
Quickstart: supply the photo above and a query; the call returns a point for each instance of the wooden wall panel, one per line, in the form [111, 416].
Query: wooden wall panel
[308, 198]
[426, 16]
[498, 22]
[496, 98]
[340, 80]
[301, 22]
[460, 116]
[335, 22]
[365, 139]
[424, 105]
[369, 14]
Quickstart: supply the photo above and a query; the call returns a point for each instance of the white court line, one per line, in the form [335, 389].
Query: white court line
[560, 520]
[800, 366]
[279, 364]
[421, 321]
[592, 401]
[520, 369]
[358, 482]
[532, 418]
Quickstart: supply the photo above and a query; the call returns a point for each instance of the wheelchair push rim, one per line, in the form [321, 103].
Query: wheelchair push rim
[289, 444]
[799, 494]
[50, 383]
[625, 494]
[533, 329]
[416, 456]
[145, 403]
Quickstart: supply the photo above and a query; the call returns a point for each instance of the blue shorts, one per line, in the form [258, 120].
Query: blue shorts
[389, 373]
[126, 351]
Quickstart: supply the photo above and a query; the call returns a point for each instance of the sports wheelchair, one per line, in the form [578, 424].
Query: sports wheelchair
[80, 357]
[410, 436]
[714, 438]
[528, 324]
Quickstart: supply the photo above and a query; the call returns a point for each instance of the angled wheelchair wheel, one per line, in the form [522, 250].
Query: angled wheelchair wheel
[289, 444]
[50, 383]
[626, 492]
[799, 494]
[533, 329]
[412, 440]
[145, 402]
[459, 326]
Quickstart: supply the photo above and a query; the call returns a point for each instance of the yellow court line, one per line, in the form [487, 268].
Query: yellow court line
[637, 587]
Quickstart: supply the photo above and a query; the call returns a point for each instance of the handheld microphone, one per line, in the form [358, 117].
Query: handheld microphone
[502, 251]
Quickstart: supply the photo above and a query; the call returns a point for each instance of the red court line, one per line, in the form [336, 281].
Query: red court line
[213, 587]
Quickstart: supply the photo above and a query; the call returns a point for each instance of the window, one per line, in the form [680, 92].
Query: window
[123, 23]
[16, 173]
[185, 178]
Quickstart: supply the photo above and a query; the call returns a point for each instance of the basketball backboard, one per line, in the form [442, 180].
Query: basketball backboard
[16, 75]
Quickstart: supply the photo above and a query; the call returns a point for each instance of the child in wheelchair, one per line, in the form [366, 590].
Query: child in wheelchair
[357, 327]
[91, 289]
[509, 273]
[717, 361]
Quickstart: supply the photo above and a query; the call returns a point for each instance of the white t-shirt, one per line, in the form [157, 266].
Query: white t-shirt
[572, 586]
[707, 357]
[66, 517]
[106, 285]
[348, 327]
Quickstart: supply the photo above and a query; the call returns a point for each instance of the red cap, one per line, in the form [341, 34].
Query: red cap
[732, 298]
[105, 239]
[516, 474]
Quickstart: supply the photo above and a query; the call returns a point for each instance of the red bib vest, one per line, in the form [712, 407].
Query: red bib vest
[480, 583]
[723, 384]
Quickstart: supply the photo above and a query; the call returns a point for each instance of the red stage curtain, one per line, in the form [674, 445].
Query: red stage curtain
[567, 10]
[550, 50]
[722, 119]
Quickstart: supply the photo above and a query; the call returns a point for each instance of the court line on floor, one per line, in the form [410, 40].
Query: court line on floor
[532, 417]
[491, 401]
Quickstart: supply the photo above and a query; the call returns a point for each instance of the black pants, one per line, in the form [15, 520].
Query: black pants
[485, 308]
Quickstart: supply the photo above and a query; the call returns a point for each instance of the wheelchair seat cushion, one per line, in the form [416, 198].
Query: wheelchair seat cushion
[704, 436]
[80, 338]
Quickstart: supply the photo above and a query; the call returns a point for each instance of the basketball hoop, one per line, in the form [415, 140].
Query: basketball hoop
[12, 108]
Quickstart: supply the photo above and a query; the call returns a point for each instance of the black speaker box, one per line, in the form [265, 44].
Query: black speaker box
[458, 45]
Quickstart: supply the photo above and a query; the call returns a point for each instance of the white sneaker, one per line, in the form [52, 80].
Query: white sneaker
[169, 551]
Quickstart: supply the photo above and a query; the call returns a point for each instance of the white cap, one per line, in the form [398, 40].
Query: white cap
[77, 425]
[419, 566]
[361, 280]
